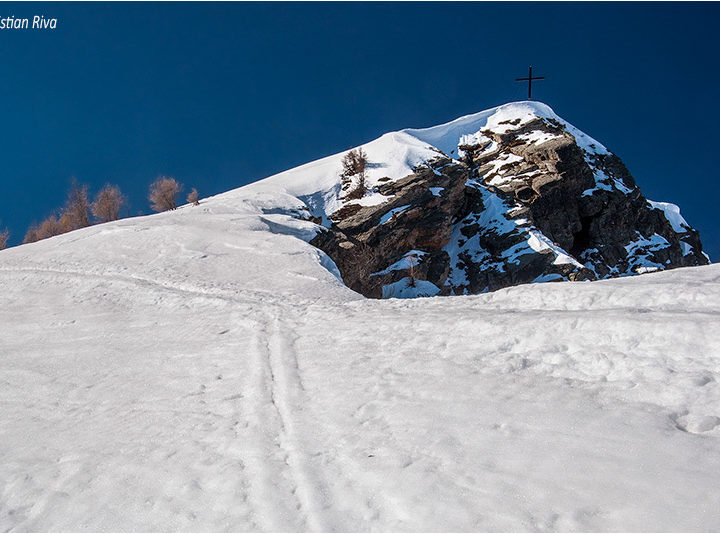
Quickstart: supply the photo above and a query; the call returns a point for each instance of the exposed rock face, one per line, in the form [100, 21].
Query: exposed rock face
[529, 199]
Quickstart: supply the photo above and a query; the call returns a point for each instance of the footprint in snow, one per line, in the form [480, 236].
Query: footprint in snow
[695, 424]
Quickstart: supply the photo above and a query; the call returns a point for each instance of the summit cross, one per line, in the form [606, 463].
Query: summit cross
[529, 80]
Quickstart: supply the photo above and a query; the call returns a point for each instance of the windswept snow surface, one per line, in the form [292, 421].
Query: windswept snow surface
[205, 370]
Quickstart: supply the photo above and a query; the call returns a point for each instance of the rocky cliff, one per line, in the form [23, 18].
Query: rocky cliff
[508, 196]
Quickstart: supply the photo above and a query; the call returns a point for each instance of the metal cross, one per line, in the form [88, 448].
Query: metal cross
[529, 80]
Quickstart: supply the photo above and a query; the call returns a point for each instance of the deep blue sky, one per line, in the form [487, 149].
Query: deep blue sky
[219, 95]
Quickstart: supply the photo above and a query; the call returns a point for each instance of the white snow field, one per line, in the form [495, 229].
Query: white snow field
[206, 370]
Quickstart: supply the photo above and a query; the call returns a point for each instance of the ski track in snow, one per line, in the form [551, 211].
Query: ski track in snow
[279, 381]
[274, 380]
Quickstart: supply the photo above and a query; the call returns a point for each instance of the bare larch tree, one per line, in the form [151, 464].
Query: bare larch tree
[107, 204]
[163, 194]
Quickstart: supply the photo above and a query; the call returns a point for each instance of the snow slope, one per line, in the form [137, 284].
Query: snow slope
[205, 370]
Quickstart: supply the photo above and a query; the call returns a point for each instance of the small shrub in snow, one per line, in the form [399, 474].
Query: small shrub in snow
[163, 194]
[32, 234]
[4, 235]
[355, 166]
[357, 192]
[192, 197]
[354, 162]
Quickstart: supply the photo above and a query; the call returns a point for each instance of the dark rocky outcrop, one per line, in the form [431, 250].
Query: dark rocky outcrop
[526, 202]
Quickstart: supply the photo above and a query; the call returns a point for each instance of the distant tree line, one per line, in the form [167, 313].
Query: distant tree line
[79, 211]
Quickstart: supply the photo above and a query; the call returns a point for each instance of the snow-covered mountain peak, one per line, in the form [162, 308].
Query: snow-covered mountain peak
[396, 154]
[509, 190]
[501, 119]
